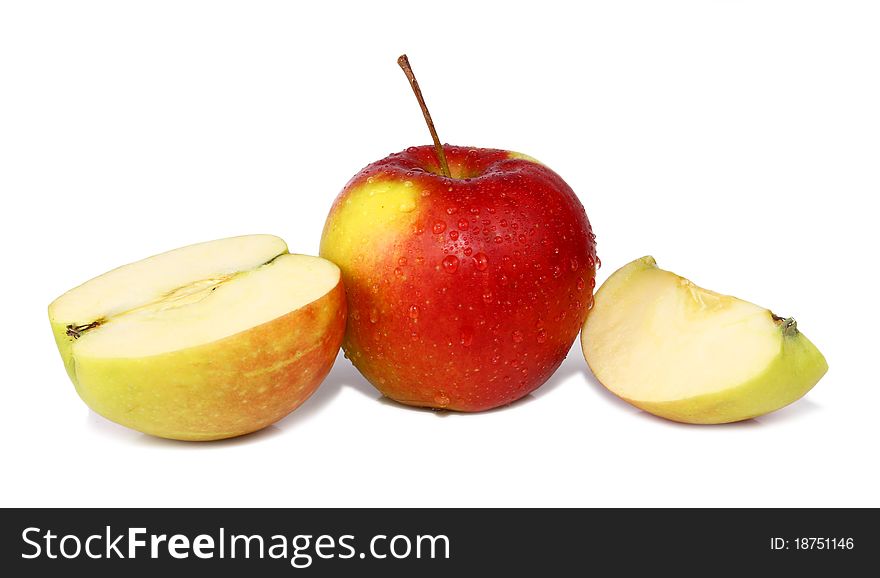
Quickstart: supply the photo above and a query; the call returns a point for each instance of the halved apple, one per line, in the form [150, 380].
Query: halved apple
[205, 342]
[692, 355]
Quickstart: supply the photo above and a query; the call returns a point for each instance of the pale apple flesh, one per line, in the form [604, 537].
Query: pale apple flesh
[205, 342]
[691, 355]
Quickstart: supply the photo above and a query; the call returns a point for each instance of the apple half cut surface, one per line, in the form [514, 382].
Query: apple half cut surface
[691, 355]
[205, 342]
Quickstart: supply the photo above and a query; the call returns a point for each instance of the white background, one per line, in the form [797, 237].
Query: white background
[737, 142]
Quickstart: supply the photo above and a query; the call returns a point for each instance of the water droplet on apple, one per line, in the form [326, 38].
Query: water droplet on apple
[542, 336]
[453, 235]
[487, 296]
[407, 206]
[498, 239]
[408, 184]
[450, 263]
[439, 227]
[481, 262]
[468, 250]
[441, 400]
[580, 284]
[517, 336]
[451, 210]
[402, 261]
[598, 263]
[463, 224]
[414, 312]
[374, 315]
[467, 336]
[574, 264]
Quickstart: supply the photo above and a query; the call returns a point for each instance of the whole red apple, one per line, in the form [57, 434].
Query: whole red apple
[464, 292]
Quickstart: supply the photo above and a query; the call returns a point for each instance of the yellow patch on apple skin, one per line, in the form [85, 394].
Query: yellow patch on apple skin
[364, 215]
[525, 157]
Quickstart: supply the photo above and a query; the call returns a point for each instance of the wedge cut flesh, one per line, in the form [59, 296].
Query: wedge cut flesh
[204, 342]
[688, 354]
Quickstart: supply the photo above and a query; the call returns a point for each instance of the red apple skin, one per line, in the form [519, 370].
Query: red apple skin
[464, 293]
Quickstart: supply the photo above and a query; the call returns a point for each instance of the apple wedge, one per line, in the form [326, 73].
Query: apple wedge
[205, 342]
[691, 355]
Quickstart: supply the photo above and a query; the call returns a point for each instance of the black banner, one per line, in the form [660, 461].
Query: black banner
[435, 542]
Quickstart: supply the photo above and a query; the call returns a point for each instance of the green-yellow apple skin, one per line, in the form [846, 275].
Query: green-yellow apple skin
[464, 293]
[793, 366]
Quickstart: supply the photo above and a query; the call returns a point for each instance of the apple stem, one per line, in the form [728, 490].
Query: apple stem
[403, 61]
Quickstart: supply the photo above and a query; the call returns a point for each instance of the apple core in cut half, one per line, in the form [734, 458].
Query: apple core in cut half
[205, 342]
[691, 355]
